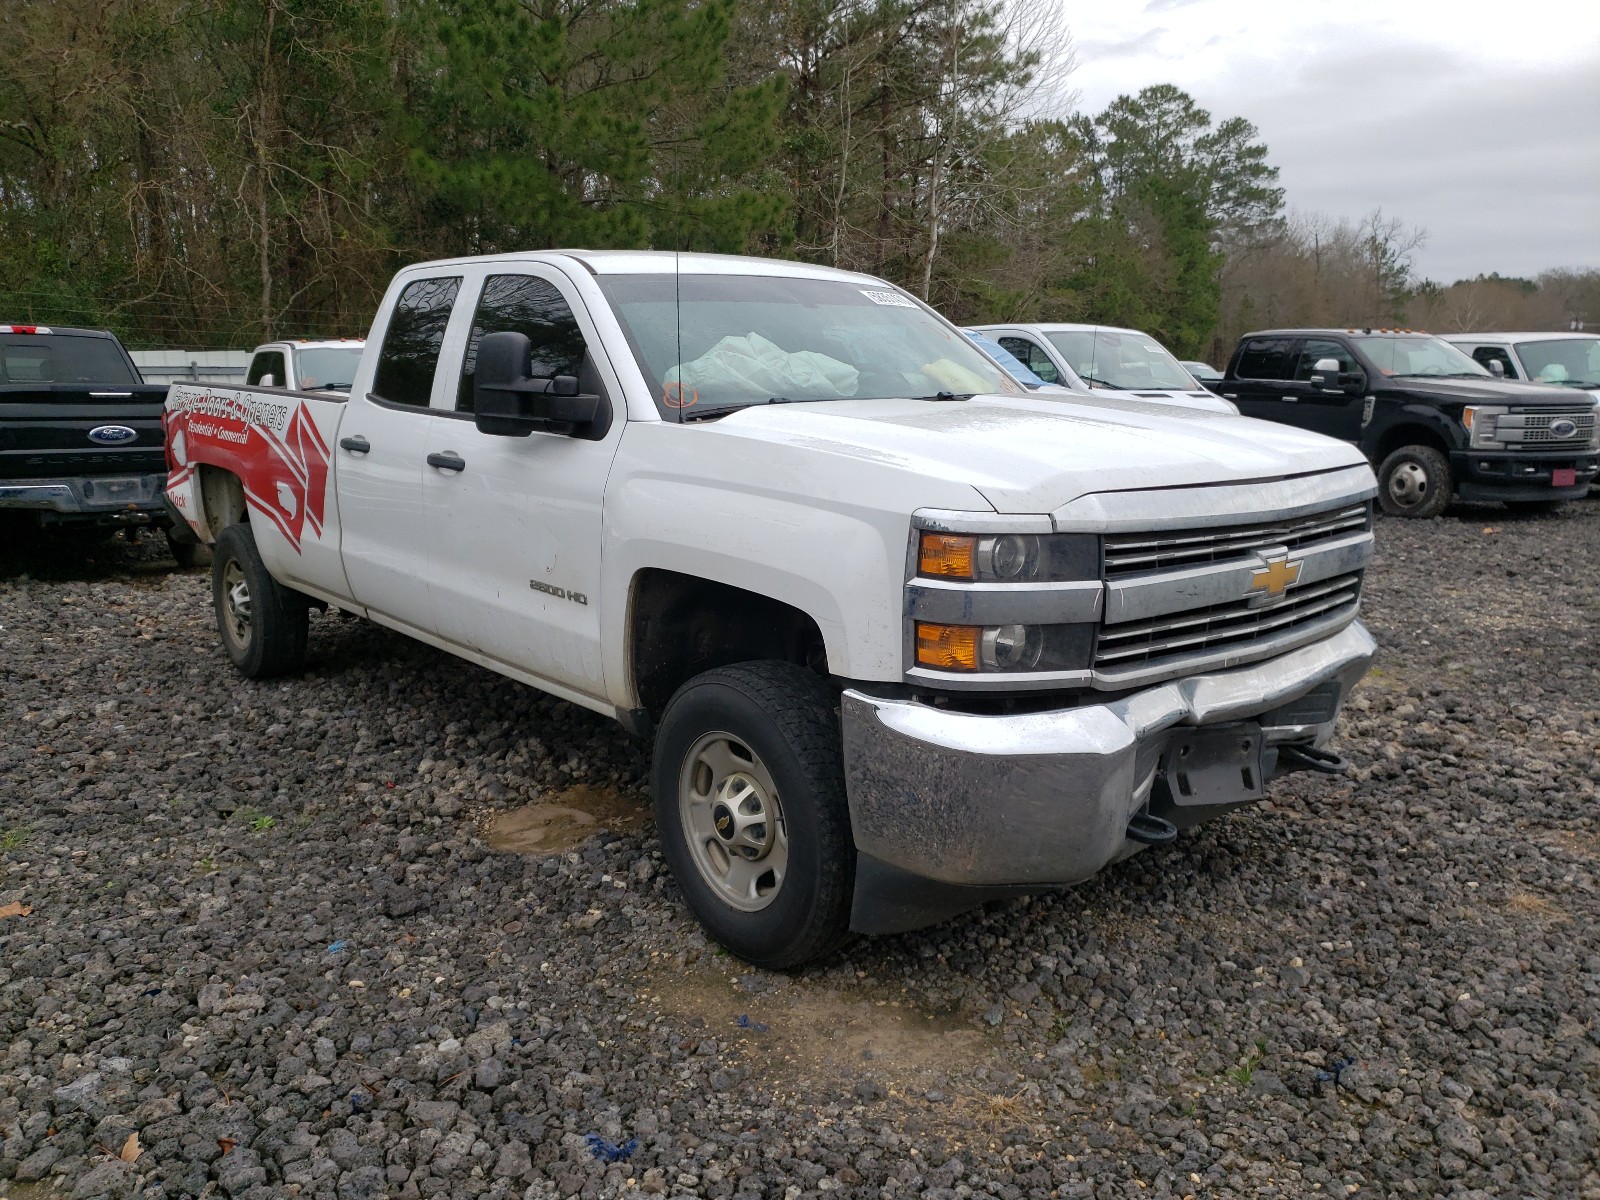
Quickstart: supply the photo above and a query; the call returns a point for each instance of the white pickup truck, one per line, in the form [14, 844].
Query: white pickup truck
[906, 637]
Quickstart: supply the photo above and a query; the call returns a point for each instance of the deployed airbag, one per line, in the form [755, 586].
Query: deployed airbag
[751, 367]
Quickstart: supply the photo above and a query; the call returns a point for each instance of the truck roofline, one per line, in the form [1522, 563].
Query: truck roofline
[652, 262]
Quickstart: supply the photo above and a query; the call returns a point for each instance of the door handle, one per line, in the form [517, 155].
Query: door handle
[1287, 399]
[1230, 395]
[447, 460]
[356, 445]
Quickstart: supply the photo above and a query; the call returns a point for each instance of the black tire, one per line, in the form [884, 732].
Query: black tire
[268, 637]
[187, 552]
[1415, 481]
[1536, 507]
[786, 720]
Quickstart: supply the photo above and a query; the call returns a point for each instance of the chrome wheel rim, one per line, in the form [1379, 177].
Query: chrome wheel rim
[236, 604]
[732, 819]
[1408, 485]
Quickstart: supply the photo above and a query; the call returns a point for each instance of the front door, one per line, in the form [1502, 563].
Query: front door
[515, 533]
[1329, 410]
[383, 442]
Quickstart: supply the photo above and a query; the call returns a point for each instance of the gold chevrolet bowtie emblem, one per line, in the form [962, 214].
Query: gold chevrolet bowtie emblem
[1272, 579]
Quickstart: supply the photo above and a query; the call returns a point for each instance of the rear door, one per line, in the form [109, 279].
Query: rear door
[1261, 383]
[515, 533]
[1329, 410]
[383, 441]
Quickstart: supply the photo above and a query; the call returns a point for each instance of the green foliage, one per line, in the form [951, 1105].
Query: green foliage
[15, 838]
[587, 125]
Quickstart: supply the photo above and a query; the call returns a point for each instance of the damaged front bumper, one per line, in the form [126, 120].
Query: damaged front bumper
[951, 808]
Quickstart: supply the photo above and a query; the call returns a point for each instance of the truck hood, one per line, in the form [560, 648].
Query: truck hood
[1033, 455]
[1474, 390]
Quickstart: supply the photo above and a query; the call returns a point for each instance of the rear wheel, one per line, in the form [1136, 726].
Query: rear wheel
[750, 801]
[263, 624]
[1415, 481]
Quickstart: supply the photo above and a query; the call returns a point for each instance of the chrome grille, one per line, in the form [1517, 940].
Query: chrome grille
[1131, 554]
[1536, 424]
[1226, 626]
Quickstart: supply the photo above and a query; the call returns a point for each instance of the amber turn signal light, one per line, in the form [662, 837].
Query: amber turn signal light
[946, 555]
[947, 647]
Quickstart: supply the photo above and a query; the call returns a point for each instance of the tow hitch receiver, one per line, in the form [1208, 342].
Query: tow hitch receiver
[1293, 757]
[1220, 764]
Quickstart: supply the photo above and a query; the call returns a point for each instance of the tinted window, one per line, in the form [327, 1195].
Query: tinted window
[1032, 357]
[531, 306]
[62, 358]
[1265, 358]
[1314, 351]
[1488, 354]
[411, 343]
[268, 362]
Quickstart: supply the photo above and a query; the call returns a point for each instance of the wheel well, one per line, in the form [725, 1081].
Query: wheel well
[221, 499]
[1410, 435]
[680, 626]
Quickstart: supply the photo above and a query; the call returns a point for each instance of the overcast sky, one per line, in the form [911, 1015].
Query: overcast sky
[1478, 121]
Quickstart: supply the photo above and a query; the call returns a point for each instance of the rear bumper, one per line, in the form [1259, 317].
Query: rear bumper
[121, 495]
[949, 809]
[1490, 475]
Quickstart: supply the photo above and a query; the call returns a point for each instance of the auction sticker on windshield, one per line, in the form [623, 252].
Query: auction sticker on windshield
[894, 299]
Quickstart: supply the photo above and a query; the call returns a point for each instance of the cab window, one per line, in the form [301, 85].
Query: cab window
[1314, 350]
[1488, 354]
[410, 354]
[268, 362]
[533, 307]
[1265, 358]
[1033, 357]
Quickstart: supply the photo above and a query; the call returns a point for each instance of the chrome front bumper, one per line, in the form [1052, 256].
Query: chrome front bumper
[87, 494]
[1044, 799]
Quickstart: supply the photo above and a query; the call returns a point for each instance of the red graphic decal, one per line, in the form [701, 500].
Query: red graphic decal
[273, 447]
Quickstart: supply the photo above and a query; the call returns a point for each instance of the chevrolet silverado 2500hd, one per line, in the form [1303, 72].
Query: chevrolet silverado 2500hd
[906, 636]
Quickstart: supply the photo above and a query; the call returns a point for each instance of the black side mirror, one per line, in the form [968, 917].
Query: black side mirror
[1353, 382]
[509, 402]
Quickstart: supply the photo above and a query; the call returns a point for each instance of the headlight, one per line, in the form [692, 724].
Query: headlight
[1008, 557]
[1482, 422]
[1003, 648]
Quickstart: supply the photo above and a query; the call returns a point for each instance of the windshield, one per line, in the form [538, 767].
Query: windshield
[1573, 362]
[1201, 370]
[330, 367]
[710, 342]
[62, 358]
[1417, 356]
[1019, 370]
[1112, 358]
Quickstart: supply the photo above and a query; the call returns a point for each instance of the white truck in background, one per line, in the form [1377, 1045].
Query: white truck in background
[906, 637]
[303, 365]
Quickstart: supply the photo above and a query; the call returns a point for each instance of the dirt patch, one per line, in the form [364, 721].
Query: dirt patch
[822, 1038]
[565, 820]
[1529, 905]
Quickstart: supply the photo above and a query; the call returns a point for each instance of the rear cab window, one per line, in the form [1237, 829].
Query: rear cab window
[411, 344]
[63, 358]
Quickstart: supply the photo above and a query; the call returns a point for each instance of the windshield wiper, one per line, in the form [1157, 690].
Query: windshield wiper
[947, 396]
[706, 414]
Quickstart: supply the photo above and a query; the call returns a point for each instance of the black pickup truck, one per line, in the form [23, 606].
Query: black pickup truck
[81, 448]
[1434, 423]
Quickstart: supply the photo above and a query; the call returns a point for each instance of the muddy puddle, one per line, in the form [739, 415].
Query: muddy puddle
[796, 1034]
[564, 820]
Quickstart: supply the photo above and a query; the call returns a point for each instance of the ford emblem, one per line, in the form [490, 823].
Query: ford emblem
[1564, 428]
[115, 435]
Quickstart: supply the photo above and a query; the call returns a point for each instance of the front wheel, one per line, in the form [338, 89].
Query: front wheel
[750, 802]
[1415, 481]
[263, 624]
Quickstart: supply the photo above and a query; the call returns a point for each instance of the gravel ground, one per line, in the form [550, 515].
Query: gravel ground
[269, 938]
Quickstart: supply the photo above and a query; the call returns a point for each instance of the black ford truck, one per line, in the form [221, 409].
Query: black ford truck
[80, 436]
[1434, 424]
